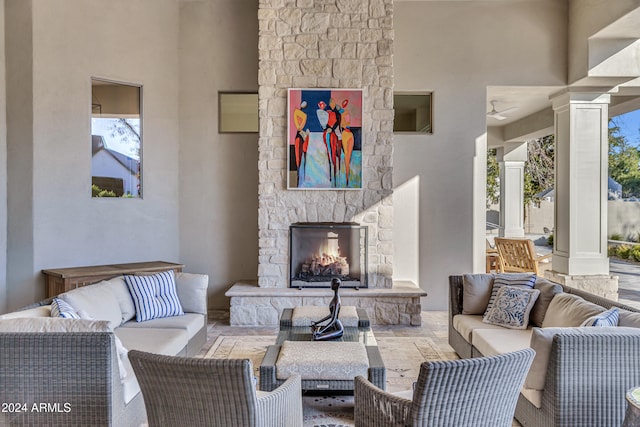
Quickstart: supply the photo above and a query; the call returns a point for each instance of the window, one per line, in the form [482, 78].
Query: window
[413, 112]
[237, 112]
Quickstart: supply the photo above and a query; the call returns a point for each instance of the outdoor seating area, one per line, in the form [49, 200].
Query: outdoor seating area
[319, 213]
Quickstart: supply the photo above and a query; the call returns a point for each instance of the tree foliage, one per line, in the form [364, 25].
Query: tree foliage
[624, 162]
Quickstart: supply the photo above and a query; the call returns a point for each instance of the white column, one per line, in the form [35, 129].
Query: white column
[581, 168]
[511, 158]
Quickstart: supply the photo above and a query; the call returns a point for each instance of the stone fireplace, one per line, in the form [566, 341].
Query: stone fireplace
[318, 252]
[325, 44]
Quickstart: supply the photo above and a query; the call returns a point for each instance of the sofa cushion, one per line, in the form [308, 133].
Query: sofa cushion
[53, 324]
[42, 311]
[547, 291]
[190, 322]
[192, 292]
[629, 318]
[154, 295]
[568, 310]
[465, 324]
[322, 360]
[169, 342]
[511, 307]
[59, 308]
[606, 318]
[542, 340]
[476, 291]
[517, 280]
[130, 386]
[119, 288]
[98, 301]
[491, 342]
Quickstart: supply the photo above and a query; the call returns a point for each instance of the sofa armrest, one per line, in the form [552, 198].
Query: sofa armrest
[192, 292]
[589, 375]
[73, 374]
[455, 296]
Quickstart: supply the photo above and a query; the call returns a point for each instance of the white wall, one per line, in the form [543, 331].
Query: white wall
[3, 169]
[456, 49]
[74, 40]
[218, 172]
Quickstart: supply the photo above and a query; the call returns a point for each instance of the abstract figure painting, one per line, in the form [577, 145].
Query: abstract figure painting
[324, 138]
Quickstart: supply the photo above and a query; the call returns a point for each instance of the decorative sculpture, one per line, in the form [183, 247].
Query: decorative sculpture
[333, 329]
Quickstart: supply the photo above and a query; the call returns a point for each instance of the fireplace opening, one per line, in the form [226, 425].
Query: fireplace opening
[318, 252]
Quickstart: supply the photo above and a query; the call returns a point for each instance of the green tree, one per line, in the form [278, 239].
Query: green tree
[493, 178]
[624, 161]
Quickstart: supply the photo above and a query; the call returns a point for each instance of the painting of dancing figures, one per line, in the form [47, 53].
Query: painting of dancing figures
[325, 139]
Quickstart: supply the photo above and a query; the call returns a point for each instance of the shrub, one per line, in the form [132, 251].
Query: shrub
[550, 240]
[616, 236]
[623, 251]
[634, 253]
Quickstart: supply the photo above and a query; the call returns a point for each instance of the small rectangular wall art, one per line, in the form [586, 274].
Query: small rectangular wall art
[324, 137]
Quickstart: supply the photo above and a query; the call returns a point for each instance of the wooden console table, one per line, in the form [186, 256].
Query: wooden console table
[59, 280]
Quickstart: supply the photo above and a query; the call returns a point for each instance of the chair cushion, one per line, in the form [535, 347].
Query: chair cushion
[568, 310]
[191, 322]
[547, 291]
[491, 342]
[97, 301]
[476, 291]
[606, 318]
[42, 311]
[322, 360]
[169, 342]
[154, 295]
[518, 280]
[59, 308]
[511, 307]
[304, 315]
[465, 324]
[629, 318]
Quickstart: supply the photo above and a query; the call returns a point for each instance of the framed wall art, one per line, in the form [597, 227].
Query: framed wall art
[324, 137]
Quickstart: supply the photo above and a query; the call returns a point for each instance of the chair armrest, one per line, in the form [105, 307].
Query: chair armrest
[543, 257]
[283, 406]
[375, 407]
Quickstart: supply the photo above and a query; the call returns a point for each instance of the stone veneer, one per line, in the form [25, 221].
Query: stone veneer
[325, 44]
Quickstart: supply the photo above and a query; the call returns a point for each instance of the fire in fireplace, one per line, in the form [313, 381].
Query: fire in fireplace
[318, 252]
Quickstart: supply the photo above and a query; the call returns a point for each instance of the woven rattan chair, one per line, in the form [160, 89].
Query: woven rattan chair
[182, 391]
[518, 255]
[469, 392]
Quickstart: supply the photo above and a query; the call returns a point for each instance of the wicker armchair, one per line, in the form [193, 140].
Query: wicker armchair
[212, 392]
[469, 392]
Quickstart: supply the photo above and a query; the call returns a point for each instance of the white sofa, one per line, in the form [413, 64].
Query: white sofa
[580, 374]
[76, 370]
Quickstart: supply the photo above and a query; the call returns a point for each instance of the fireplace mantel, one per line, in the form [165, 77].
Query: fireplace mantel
[258, 306]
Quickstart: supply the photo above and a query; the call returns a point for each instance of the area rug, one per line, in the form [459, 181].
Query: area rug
[402, 357]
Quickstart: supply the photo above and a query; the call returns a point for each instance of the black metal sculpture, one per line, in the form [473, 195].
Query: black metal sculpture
[333, 329]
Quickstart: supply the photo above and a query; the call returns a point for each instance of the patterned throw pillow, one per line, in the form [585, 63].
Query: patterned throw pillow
[512, 307]
[154, 296]
[60, 308]
[606, 318]
[518, 280]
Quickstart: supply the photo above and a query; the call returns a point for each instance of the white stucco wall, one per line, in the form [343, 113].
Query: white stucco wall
[457, 49]
[219, 172]
[74, 40]
[3, 169]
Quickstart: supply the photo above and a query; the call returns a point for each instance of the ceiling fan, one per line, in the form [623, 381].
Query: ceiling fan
[498, 115]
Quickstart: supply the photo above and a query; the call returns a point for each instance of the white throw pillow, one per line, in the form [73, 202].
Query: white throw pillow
[511, 307]
[97, 300]
[154, 296]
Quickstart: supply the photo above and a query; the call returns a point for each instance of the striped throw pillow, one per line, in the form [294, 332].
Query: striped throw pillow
[154, 296]
[606, 318]
[518, 280]
[60, 308]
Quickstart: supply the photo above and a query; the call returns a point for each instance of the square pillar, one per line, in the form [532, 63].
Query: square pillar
[511, 158]
[581, 170]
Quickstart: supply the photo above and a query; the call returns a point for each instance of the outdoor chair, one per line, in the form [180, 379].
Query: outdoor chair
[482, 391]
[518, 255]
[184, 391]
